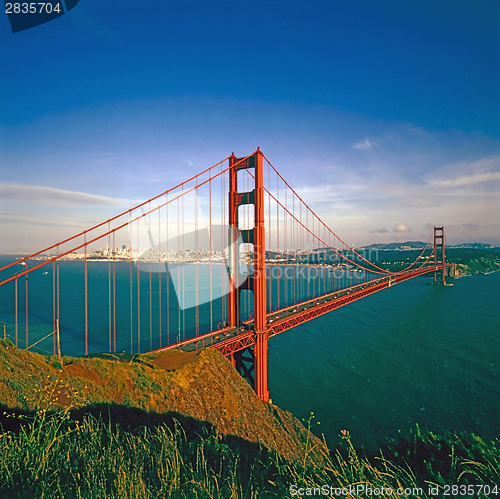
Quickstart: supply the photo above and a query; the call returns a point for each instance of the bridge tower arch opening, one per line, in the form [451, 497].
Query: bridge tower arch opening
[251, 363]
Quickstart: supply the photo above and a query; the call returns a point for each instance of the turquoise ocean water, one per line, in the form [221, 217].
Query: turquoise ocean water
[413, 354]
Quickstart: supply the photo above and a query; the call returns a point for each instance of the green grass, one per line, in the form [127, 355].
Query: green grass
[55, 456]
[60, 443]
[89, 458]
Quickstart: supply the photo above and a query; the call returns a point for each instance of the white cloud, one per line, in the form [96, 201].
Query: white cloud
[329, 193]
[464, 180]
[414, 176]
[33, 216]
[52, 196]
[402, 228]
[364, 144]
[28, 219]
[466, 173]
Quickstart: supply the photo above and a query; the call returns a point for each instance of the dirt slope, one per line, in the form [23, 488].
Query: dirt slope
[204, 386]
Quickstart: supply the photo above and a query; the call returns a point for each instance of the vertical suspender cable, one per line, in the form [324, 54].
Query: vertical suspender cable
[278, 240]
[85, 269]
[109, 286]
[168, 274]
[160, 260]
[247, 225]
[250, 310]
[58, 310]
[308, 257]
[114, 293]
[131, 296]
[26, 303]
[293, 248]
[15, 313]
[183, 271]
[150, 285]
[285, 246]
[138, 249]
[301, 244]
[225, 275]
[178, 272]
[210, 248]
[270, 236]
[325, 260]
[54, 304]
[196, 264]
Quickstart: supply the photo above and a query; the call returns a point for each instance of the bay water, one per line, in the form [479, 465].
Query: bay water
[415, 353]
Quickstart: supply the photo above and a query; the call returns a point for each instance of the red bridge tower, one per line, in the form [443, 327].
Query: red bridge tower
[251, 363]
[439, 243]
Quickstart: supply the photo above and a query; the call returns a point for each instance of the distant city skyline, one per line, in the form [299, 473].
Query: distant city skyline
[393, 106]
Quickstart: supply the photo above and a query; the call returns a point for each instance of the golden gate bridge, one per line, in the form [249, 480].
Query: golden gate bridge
[226, 259]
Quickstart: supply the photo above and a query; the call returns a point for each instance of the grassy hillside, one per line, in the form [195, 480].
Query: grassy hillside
[203, 386]
[474, 261]
[185, 426]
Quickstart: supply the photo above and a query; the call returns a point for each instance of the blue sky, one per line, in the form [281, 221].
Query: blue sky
[394, 106]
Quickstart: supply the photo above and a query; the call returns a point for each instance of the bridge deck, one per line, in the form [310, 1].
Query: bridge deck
[229, 340]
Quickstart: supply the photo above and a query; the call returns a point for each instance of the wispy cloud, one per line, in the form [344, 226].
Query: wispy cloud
[364, 144]
[463, 174]
[32, 216]
[476, 178]
[52, 196]
[17, 219]
[464, 196]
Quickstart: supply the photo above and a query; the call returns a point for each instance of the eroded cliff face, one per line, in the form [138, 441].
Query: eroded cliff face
[201, 385]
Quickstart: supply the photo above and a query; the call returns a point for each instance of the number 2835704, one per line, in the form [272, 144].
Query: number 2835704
[32, 7]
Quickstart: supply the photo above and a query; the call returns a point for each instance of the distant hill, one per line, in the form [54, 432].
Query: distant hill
[473, 245]
[407, 245]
